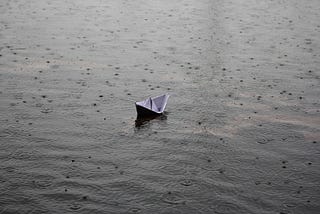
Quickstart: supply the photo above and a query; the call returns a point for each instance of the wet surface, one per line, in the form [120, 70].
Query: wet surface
[241, 131]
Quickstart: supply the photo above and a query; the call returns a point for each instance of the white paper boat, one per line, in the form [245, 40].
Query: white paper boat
[152, 106]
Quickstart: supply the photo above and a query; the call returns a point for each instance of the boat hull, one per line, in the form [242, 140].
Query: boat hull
[144, 112]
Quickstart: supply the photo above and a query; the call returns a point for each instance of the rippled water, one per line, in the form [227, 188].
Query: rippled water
[241, 131]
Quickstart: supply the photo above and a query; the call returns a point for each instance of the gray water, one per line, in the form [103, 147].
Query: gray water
[241, 130]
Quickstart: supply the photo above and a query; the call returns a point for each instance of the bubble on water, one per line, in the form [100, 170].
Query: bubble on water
[75, 207]
[186, 182]
[172, 198]
[46, 110]
[228, 208]
[264, 140]
[43, 183]
[134, 210]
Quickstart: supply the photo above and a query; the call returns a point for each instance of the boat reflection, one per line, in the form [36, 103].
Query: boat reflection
[144, 121]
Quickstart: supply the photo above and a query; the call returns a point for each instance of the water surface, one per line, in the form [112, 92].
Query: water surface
[241, 131]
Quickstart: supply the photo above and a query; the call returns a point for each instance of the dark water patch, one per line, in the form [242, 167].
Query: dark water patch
[135, 210]
[143, 122]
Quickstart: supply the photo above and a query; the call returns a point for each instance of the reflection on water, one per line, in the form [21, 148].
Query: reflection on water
[143, 122]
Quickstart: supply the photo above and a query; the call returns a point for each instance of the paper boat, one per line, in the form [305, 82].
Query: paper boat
[152, 106]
